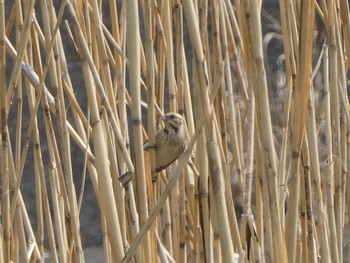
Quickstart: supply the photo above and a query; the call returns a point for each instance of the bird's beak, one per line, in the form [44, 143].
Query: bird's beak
[163, 118]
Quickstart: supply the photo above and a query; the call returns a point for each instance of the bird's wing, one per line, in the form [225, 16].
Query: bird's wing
[158, 141]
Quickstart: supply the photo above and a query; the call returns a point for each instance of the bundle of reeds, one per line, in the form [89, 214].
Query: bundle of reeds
[258, 182]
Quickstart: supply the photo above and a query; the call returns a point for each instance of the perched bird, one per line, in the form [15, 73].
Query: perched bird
[169, 141]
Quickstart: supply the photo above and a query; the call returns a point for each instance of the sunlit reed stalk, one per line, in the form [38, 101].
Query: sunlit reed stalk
[41, 190]
[347, 173]
[19, 95]
[316, 175]
[5, 201]
[344, 123]
[58, 224]
[309, 252]
[63, 133]
[335, 215]
[232, 125]
[212, 148]
[330, 173]
[299, 112]
[24, 38]
[264, 122]
[21, 167]
[20, 235]
[151, 115]
[133, 54]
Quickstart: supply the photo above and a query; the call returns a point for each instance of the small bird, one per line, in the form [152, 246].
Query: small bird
[169, 141]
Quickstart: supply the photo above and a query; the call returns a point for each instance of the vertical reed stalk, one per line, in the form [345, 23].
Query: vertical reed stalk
[107, 196]
[264, 121]
[316, 176]
[22, 244]
[55, 192]
[21, 50]
[133, 43]
[347, 174]
[150, 82]
[344, 123]
[212, 147]
[106, 192]
[5, 191]
[302, 86]
[335, 122]
[232, 125]
[204, 199]
[330, 170]
[63, 132]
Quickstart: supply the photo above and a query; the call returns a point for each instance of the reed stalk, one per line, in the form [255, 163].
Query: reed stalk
[20, 235]
[5, 235]
[151, 115]
[329, 173]
[265, 127]
[347, 182]
[133, 54]
[299, 118]
[212, 148]
[54, 192]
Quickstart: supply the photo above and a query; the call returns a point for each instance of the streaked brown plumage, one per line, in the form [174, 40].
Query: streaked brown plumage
[169, 141]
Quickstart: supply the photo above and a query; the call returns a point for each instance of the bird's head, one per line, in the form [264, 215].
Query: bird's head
[173, 122]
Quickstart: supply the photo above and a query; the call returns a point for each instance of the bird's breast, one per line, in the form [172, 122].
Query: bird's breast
[170, 147]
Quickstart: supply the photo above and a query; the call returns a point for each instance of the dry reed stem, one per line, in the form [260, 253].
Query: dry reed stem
[54, 192]
[133, 54]
[49, 19]
[212, 148]
[85, 52]
[302, 85]
[347, 173]
[264, 121]
[330, 172]
[107, 198]
[315, 171]
[335, 129]
[204, 199]
[232, 125]
[21, 50]
[20, 235]
[5, 201]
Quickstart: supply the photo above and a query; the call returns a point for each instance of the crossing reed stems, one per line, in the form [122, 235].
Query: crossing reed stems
[264, 174]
